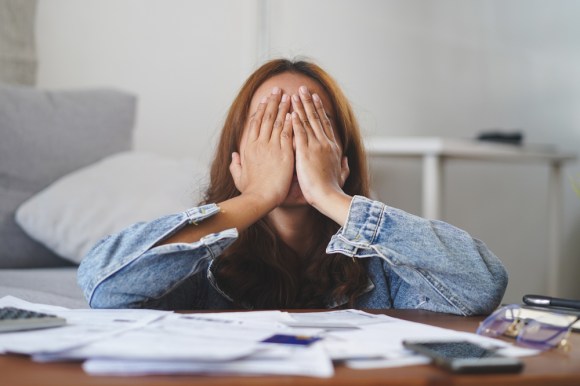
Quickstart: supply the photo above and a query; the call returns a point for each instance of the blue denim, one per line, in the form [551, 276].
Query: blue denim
[413, 263]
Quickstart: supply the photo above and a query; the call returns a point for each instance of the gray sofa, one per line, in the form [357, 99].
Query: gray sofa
[68, 177]
[45, 135]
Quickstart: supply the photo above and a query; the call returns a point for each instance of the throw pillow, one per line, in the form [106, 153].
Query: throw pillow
[76, 211]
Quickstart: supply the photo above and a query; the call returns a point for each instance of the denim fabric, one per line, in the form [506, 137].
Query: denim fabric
[413, 263]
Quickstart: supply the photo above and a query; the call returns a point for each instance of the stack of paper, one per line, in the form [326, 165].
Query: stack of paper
[140, 342]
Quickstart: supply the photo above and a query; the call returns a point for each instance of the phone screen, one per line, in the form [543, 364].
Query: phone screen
[458, 350]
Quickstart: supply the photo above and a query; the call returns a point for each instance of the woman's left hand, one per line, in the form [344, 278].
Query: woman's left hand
[320, 166]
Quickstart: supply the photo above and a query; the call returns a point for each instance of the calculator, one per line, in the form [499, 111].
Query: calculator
[16, 319]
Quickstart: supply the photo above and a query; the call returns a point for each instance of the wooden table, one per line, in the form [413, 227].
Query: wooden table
[551, 368]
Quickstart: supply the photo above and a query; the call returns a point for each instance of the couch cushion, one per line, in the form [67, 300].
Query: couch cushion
[45, 135]
[54, 286]
[72, 214]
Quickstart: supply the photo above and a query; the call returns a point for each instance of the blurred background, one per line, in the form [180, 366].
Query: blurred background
[435, 68]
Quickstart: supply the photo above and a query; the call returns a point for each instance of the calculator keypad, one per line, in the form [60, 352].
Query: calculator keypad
[15, 319]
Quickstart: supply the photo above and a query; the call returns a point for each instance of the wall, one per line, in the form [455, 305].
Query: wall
[410, 67]
[184, 59]
[17, 50]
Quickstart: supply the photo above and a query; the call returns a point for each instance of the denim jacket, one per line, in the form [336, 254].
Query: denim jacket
[413, 263]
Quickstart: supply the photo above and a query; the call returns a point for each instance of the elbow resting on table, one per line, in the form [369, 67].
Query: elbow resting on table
[100, 298]
[490, 292]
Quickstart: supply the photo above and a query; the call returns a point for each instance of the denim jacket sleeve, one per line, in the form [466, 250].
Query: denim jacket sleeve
[423, 259]
[128, 270]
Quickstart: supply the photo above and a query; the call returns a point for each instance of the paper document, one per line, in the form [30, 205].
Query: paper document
[140, 342]
[333, 320]
[83, 327]
[311, 361]
[553, 316]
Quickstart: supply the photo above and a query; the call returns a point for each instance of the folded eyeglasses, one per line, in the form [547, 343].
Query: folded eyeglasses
[544, 331]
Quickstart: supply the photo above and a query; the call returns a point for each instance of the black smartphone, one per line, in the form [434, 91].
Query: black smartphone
[466, 357]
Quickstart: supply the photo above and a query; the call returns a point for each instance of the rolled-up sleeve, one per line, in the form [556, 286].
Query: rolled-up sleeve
[423, 259]
[129, 270]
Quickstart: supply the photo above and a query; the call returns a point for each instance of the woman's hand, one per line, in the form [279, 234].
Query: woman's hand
[262, 171]
[265, 164]
[320, 166]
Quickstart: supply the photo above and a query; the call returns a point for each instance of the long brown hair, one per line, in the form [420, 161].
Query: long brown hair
[259, 270]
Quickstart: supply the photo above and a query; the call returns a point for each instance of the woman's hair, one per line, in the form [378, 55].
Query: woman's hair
[259, 270]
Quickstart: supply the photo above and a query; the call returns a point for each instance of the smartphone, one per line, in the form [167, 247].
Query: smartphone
[466, 357]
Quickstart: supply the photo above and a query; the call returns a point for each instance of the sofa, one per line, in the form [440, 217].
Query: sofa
[69, 175]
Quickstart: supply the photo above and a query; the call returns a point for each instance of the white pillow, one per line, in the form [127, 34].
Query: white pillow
[76, 211]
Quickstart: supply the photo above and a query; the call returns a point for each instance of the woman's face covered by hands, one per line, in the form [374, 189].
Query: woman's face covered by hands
[289, 142]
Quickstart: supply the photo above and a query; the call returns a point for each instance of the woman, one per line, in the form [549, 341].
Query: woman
[286, 223]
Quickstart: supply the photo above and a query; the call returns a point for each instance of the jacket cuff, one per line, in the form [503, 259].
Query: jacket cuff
[198, 214]
[360, 229]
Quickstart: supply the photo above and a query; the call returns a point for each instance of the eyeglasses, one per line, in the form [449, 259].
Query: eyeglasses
[544, 331]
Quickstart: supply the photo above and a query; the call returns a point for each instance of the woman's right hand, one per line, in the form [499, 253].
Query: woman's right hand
[265, 164]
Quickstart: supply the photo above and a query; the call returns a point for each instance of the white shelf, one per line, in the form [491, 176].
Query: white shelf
[462, 149]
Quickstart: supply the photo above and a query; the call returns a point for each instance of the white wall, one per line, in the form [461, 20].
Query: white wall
[184, 59]
[410, 67]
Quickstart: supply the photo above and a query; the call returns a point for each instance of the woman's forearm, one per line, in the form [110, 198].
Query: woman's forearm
[239, 212]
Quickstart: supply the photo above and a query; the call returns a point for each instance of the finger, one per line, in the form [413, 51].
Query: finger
[299, 131]
[256, 120]
[344, 171]
[326, 123]
[270, 114]
[286, 134]
[299, 110]
[311, 113]
[236, 168]
[280, 121]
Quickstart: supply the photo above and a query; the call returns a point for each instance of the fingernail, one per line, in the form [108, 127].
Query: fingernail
[264, 100]
[284, 97]
[276, 90]
[303, 90]
[287, 116]
[316, 97]
[295, 98]
[294, 114]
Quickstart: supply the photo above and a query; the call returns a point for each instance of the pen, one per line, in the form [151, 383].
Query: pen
[546, 301]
